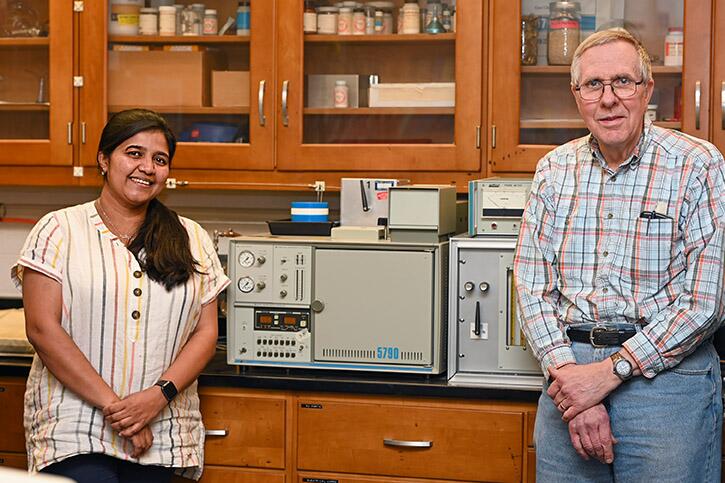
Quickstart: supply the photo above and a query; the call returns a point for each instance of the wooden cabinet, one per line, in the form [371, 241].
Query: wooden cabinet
[532, 109]
[717, 120]
[436, 439]
[12, 435]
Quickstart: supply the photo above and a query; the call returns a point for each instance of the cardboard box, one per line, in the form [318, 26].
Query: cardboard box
[424, 94]
[230, 88]
[157, 78]
[320, 89]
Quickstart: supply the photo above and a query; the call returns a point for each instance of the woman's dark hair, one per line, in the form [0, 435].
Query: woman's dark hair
[161, 245]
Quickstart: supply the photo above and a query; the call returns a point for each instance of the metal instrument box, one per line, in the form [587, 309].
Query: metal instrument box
[327, 304]
[485, 345]
[364, 200]
[496, 204]
[422, 212]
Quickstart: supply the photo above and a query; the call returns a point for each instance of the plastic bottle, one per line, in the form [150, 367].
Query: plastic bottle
[341, 94]
[674, 44]
[243, 26]
[411, 17]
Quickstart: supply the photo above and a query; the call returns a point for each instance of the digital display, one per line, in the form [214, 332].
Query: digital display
[265, 319]
[289, 320]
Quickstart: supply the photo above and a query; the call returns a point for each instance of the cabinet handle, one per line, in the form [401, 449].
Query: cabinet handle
[70, 132]
[216, 432]
[722, 105]
[83, 133]
[285, 114]
[260, 102]
[697, 105]
[408, 444]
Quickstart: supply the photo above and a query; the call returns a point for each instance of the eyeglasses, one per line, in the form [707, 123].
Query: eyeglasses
[622, 87]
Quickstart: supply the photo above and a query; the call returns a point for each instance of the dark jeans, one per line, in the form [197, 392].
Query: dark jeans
[100, 468]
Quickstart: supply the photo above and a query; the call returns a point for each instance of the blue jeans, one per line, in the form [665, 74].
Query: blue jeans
[100, 468]
[668, 428]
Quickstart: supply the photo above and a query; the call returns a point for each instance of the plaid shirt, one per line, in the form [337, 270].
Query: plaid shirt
[641, 245]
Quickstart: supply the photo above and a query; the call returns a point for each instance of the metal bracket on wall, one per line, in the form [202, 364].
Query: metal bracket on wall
[77, 81]
[79, 6]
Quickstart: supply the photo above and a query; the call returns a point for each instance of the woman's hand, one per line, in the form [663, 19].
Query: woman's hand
[132, 413]
[141, 442]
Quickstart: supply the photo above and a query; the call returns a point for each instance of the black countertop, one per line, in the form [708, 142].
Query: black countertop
[218, 373]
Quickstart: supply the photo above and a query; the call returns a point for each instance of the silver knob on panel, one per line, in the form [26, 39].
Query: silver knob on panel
[261, 285]
[483, 287]
[283, 293]
[468, 286]
[261, 260]
[317, 306]
[283, 277]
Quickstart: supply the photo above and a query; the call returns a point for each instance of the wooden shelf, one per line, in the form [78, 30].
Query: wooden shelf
[24, 106]
[24, 41]
[579, 124]
[179, 39]
[381, 111]
[565, 69]
[185, 109]
[391, 38]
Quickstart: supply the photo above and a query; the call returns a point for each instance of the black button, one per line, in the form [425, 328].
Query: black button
[294, 355]
[276, 354]
[276, 342]
[610, 216]
[259, 353]
[136, 314]
[606, 253]
[293, 342]
[137, 274]
[614, 178]
[286, 342]
[137, 292]
[605, 290]
[264, 341]
[264, 354]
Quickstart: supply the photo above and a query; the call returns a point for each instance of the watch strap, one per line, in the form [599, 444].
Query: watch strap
[168, 389]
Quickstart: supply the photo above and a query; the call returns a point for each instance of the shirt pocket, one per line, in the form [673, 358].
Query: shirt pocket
[652, 251]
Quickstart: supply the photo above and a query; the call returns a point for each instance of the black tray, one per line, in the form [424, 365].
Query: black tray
[301, 228]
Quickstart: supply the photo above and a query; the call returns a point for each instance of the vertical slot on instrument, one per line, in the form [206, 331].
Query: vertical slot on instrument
[514, 336]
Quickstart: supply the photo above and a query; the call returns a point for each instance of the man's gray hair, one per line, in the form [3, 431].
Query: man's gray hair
[606, 37]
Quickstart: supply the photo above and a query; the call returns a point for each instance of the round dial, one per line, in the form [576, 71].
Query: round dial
[246, 284]
[246, 259]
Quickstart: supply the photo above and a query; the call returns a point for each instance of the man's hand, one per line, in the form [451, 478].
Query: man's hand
[141, 442]
[576, 388]
[591, 434]
[129, 415]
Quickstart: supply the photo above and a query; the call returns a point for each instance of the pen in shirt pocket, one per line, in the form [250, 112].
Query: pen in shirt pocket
[653, 215]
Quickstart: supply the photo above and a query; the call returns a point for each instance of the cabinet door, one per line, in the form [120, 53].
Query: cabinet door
[14, 460]
[217, 474]
[243, 430]
[443, 442]
[12, 436]
[215, 91]
[424, 113]
[36, 93]
[718, 84]
[532, 106]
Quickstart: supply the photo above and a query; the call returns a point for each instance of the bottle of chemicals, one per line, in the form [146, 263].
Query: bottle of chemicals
[411, 17]
[167, 21]
[674, 44]
[243, 18]
[378, 21]
[344, 21]
[369, 20]
[124, 17]
[309, 18]
[148, 21]
[327, 20]
[211, 24]
[564, 31]
[358, 20]
[341, 94]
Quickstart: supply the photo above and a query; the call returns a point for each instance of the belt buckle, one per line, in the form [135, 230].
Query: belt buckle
[592, 333]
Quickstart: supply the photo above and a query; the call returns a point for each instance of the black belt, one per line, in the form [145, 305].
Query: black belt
[600, 336]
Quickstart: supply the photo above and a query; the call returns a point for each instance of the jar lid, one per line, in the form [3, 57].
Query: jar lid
[379, 4]
[340, 82]
[565, 6]
[651, 107]
[167, 9]
[327, 9]
[210, 11]
[149, 10]
[345, 10]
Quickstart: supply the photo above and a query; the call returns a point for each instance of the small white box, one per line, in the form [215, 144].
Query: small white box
[426, 94]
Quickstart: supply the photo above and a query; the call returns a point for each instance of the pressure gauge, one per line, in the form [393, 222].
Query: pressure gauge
[246, 284]
[246, 259]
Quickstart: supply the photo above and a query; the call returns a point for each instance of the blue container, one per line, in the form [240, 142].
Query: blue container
[309, 211]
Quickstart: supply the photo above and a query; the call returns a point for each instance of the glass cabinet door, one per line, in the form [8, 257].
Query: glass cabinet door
[36, 104]
[379, 85]
[533, 107]
[206, 67]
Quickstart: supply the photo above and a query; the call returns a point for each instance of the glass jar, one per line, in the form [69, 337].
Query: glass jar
[674, 44]
[148, 21]
[529, 39]
[167, 20]
[211, 24]
[344, 21]
[327, 20]
[564, 31]
[358, 21]
[309, 18]
[341, 94]
[411, 18]
[434, 23]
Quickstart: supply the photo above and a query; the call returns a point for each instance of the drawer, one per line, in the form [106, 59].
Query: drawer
[379, 439]
[309, 477]
[243, 430]
[530, 466]
[220, 474]
[14, 460]
[12, 395]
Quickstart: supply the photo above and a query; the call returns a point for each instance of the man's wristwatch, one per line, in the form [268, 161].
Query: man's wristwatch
[168, 389]
[621, 367]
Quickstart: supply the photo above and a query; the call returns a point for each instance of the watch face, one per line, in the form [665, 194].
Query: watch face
[623, 368]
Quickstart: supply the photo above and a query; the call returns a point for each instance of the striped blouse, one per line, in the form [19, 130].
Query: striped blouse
[130, 329]
[641, 245]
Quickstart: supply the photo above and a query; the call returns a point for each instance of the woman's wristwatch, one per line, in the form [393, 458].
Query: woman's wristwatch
[168, 389]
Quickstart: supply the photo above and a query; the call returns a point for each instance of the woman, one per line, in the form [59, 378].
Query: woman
[120, 305]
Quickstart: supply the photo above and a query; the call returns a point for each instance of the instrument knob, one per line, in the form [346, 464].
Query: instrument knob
[261, 260]
[468, 286]
[261, 285]
[283, 293]
[283, 277]
[483, 287]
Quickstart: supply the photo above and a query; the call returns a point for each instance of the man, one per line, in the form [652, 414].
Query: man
[619, 274]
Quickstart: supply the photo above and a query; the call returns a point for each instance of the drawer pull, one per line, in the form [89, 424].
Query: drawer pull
[216, 432]
[408, 444]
